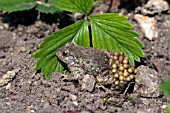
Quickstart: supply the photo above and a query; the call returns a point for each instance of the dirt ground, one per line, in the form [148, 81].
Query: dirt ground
[29, 92]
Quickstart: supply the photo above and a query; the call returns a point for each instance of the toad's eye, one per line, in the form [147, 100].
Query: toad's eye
[65, 53]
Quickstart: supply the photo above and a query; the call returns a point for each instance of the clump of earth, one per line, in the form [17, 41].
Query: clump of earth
[28, 91]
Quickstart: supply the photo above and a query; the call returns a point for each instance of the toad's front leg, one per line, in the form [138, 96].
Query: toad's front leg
[75, 75]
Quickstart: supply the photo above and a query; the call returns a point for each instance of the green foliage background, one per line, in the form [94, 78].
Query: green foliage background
[165, 87]
[20, 5]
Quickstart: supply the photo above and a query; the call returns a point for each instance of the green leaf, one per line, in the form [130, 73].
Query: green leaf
[112, 31]
[165, 87]
[48, 62]
[79, 6]
[46, 8]
[168, 109]
[16, 5]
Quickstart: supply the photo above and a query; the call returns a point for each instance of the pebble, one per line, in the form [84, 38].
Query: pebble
[154, 7]
[88, 82]
[6, 78]
[148, 26]
[163, 106]
[73, 97]
[75, 103]
[32, 111]
[147, 82]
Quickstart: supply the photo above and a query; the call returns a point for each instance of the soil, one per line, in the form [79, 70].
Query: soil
[29, 92]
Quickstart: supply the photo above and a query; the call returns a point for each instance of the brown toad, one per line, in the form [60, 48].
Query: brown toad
[88, 64]
[89, 60]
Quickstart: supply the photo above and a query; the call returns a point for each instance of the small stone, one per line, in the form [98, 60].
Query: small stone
[153, 7]
[88, 82]
[1, 27]
[6, 26]
[32, 111]
[73, 97]
[148, 26]
[156, 6]
[163, 106]
[147, 82]
[75, 103]
[5, 79]
[23, 49]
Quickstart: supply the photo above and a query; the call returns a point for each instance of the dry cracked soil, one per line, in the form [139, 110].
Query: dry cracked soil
[29, 92]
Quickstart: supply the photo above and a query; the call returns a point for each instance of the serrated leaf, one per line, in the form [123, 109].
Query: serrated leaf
[112, 31]
[47, 8]
[16, 5]
[79, 6]
[48, 62]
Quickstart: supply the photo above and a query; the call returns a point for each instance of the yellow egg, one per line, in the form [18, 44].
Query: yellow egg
[126, 58]
[125, 61]
[125, 65]
[121, 81]
[114, 70]
[121, 53]
[121, 68]
[114, 66]
[131, 76]
[115, 57]
[125, 74]
[110, 61]
[117, 62]
[116, 53]
[116, 82]
[135, 71]
[130, 70]
[112, 88]
[116, 75]
[128, 79]
[121, 78]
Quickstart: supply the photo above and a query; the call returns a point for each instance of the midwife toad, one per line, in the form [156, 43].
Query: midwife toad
[86, 60]
[110, 69]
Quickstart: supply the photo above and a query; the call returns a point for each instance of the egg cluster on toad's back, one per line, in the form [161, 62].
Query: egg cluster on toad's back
[122, 71]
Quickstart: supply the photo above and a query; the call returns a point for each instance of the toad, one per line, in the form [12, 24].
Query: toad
[93, 67]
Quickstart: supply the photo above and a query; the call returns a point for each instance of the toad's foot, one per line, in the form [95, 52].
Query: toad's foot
[109, 90]
[74, 76]
[99, 86]
[70, 78]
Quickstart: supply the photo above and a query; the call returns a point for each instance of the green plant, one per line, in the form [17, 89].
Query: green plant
[20, 5]
[165, 87]
[108, 31]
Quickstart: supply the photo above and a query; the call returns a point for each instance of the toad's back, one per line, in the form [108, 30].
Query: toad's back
[92, 61]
